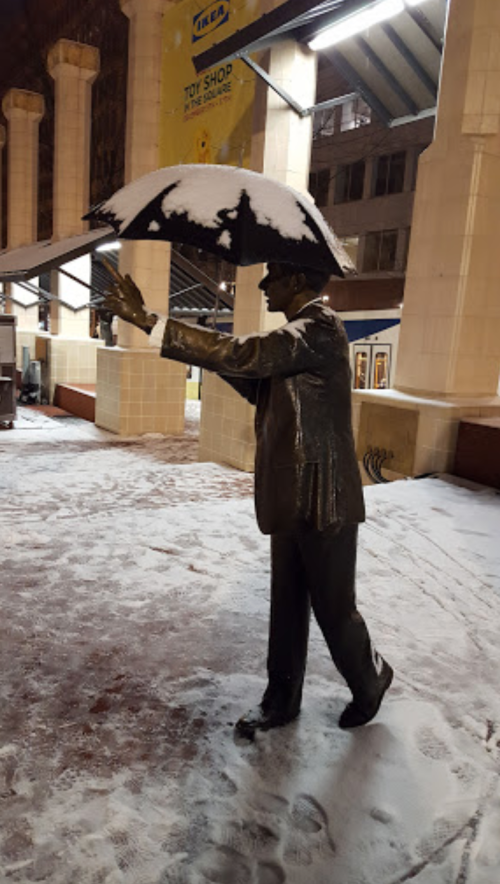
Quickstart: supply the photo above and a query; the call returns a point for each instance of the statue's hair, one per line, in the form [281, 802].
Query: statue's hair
[316, 279]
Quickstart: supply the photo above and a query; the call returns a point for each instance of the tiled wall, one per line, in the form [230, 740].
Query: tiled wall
[72, 360]
[139, 392]
[226, 431]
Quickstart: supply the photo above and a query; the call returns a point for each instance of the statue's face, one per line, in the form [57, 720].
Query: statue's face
[279, 287]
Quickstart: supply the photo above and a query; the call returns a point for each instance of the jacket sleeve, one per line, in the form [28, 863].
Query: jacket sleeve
[294, 348]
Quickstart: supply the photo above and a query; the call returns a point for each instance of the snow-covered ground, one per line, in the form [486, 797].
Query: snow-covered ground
[134, 596]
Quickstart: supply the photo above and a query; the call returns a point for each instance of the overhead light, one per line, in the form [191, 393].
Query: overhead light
[360, 21]
[223, 286]
[109, 247]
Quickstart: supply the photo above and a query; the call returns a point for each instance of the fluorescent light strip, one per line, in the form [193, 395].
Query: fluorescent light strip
[109, 247]
[360, 21]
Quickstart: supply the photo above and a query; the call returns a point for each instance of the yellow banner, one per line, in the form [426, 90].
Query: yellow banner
[207, 118]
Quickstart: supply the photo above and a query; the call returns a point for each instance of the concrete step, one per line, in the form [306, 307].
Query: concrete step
[77, 399]
[477, 455]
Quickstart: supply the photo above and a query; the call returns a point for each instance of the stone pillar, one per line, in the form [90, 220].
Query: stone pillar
[4, 306]
[450, 334]
[2, 145]
[147, 263]
[74, 68]
[137, 392]
[281, 148]
[449, 351]
[23, 110]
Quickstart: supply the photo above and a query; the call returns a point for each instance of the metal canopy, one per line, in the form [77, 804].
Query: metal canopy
[29, 261]
[394, 66]
[192, 292]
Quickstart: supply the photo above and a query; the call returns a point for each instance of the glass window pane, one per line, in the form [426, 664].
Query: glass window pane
[348, 116]
[396, 176]
[322, 187]
[351, 244]
[341, 184]
[388, 247]
[381, 176]
[357, 180]
[380, 379]
[372, 246]
[360, 371]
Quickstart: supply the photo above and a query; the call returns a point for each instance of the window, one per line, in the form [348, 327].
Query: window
[381, 371]
[361, 371]
[323, 123]
[319, 184]
[380, 250]
[389, 174]
[349, 182]
[355, 113]
[351, 244]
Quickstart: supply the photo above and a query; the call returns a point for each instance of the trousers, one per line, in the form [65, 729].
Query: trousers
[316, 570]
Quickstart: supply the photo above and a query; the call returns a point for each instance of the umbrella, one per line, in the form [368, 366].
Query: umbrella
[241, 216]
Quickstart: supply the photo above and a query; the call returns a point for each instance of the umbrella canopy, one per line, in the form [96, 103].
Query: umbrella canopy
[242, 216]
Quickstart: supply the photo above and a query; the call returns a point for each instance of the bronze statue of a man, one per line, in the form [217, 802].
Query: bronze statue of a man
[308, 493]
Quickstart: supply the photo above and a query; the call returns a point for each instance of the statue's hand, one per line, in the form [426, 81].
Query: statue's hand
[125, 300]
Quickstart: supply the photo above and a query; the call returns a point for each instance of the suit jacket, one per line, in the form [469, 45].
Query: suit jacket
[299, 379]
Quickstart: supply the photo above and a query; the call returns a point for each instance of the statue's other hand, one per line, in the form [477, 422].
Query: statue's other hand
[125, 300]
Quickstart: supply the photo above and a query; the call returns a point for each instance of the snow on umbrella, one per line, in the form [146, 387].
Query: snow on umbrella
[242, 216]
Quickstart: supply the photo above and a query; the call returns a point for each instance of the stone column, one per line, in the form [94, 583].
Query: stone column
[2, 145]
[281, 148]
[450, 334]
[137, 392]
[147, 263]
[74, 68]
[449, 351]
[23, 110]
[4, 307]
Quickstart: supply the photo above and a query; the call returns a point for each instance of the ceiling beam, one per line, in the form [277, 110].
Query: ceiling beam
[411, 60]
[425, 26]
[387, 75]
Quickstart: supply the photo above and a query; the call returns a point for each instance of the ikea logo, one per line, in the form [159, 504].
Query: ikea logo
[210, 19]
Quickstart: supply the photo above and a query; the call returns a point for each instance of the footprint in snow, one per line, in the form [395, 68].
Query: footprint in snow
[244, 850]
[431, 745]
[225, 865]
[309, 835]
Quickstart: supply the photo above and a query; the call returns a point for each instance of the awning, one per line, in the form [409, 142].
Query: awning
[394, 66]
[192, 292]
[21, 264]
[357, 329]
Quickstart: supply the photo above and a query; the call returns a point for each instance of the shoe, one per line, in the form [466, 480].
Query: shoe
[261, 719]
[358, 713]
